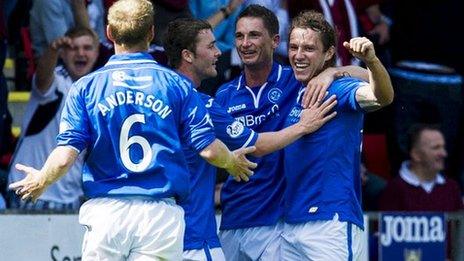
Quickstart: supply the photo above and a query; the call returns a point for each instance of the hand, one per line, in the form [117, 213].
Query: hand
[233, 4]
[32, 186]
[240, 167]
[61, 42]
[314, 117]
[316, 89]
[361, 48]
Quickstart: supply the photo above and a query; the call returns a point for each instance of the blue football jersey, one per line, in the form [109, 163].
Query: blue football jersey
[200, 221]
[322, 168]
[131, 116]
[258, 202]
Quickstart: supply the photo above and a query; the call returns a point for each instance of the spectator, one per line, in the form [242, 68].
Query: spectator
[166, 11]
[420, 185]
[221, 15]
[5, 117]
[79, 50]
[372, 187]
[347, 17]
[50, 19]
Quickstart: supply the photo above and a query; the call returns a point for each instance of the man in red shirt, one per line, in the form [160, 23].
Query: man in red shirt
[420, 186]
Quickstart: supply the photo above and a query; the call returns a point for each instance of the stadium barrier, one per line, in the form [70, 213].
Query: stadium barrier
[58, 236]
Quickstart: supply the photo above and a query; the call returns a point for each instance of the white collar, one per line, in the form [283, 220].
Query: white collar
[411, 178]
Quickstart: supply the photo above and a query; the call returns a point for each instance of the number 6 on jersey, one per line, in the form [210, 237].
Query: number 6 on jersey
[125, 142]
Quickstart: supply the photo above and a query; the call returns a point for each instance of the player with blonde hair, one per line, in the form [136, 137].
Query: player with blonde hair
[132, 116]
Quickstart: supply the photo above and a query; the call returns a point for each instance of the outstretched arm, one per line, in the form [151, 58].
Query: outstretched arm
[234, 162]
[36, 181]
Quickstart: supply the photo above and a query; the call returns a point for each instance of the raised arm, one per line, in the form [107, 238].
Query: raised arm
[81, 16]
[379, 91]
[235, 162]
[36, 181]
[47, 62]
[224, 12]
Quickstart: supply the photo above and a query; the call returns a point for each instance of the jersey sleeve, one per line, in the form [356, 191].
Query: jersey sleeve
[196, 126]
[345, 90]
[230, 131]
[74, 124]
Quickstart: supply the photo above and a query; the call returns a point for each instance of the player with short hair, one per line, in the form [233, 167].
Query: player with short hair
[191, 50]
[261, 98]
[323, 216]
[131, 116]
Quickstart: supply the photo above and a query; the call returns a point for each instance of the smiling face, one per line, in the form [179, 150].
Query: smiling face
[430, 151]
[306, 53]
[206, 55]
[254, 44]
[80, 59]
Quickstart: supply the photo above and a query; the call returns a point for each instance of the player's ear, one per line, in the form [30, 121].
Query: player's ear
[109, 34]
[187, 56]
[329, 54]
[275, 41]
[151, 34]
[414, 154]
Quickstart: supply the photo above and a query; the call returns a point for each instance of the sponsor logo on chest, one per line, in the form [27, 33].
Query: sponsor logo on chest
[236, 108]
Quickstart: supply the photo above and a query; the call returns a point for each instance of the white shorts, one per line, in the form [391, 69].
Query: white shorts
[132, 229]
[322, 240]
[254, 243]
[206, 254]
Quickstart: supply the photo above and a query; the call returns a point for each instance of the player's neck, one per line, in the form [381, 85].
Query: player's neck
[184, 70]
[257, 75]
[122, 49]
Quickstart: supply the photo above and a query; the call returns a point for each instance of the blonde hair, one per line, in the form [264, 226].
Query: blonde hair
[130, 22]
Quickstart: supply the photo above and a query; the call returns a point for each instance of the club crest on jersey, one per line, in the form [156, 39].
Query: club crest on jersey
[274, 95]
[235, 129]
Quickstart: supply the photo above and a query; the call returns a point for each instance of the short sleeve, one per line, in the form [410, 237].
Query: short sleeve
[345, 90]
[196, 126]
[74, 124]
